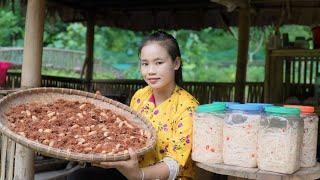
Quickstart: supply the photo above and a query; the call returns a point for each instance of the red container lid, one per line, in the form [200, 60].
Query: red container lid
[303, 109]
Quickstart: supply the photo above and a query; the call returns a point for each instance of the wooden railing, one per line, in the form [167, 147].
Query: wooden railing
[51, 57]
[291, 74]
[13, 80]
[205, 92]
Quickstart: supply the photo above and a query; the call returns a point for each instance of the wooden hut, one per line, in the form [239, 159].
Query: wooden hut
[148, 15]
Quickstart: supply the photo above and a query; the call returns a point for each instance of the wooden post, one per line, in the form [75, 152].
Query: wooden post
[267, 77]
[276, 80]
[89, 48]
[243, 45]
[273, 83]
[30, 77]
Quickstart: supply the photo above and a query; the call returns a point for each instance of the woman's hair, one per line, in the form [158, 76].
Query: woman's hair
[170, 44]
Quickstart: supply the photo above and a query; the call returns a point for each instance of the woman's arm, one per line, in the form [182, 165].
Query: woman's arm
[131, 170]
[169, 169]
[157, 171]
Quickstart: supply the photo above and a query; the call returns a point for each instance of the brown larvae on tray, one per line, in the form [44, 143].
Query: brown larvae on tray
[76, 127]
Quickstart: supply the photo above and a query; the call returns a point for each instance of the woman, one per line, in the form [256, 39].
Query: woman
[168, 107]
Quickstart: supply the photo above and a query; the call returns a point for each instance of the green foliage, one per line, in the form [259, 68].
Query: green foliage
[133, 73]
[255, 73]
[8, 27]
[210, 73]
[59, 73]
[73, 38]
[104, 75]
[296, 31]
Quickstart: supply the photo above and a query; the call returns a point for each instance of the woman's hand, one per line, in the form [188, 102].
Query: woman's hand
[129, 168]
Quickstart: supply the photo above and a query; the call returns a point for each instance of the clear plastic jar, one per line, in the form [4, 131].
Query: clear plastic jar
[310, 135]
[207, 133]
[240, 135]
[279, 140]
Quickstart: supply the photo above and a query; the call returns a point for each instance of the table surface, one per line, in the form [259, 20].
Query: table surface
[255, 173]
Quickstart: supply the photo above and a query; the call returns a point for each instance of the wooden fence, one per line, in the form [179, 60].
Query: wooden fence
[205, 92]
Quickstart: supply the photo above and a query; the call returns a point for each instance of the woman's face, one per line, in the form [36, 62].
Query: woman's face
[157, 66]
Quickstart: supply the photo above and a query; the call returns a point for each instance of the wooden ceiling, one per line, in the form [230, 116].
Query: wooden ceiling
[145, 15]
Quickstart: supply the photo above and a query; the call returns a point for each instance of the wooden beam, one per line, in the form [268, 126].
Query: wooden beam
[132, 5]
[232, 4]
[295, 52]
[89, 48]
[30, 77]
[242, 59]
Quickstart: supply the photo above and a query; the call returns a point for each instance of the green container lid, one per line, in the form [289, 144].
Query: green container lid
[210, 108]
[282, 110]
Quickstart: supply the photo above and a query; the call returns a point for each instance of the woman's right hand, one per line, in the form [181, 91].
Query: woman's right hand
[129, 168]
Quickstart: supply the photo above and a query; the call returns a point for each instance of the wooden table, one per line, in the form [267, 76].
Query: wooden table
[255, 173]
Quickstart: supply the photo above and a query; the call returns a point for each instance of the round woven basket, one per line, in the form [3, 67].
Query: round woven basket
[42, 95]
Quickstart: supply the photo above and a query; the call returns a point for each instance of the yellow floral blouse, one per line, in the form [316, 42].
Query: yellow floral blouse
[172, 120]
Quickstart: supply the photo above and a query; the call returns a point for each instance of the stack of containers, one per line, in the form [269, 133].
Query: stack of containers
[240, 134]
[310, 135]
[207, 133]
[279, 140]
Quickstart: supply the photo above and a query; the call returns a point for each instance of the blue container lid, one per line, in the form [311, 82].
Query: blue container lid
[224, 103]
[261, 104]
[210, 108]
[245, 107]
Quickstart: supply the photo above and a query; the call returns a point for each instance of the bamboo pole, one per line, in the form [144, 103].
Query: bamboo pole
[11, 149]
[4, 146]
[89, 48]
[242, 59]
[32, 54]
[30, 77]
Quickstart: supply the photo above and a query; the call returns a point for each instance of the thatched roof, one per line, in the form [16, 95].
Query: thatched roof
[187, 14]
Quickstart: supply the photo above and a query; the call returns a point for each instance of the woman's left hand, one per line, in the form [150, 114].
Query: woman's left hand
[129, 168]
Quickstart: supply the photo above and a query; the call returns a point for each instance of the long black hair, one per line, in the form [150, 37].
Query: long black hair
[170, 44]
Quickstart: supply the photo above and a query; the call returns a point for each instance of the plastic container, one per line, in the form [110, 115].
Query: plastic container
[207, 133]
[240, 135]
[4, 66]
[310, 135]
[279, 140]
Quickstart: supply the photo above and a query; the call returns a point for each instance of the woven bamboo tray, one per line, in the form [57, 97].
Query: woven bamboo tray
[42, 95]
